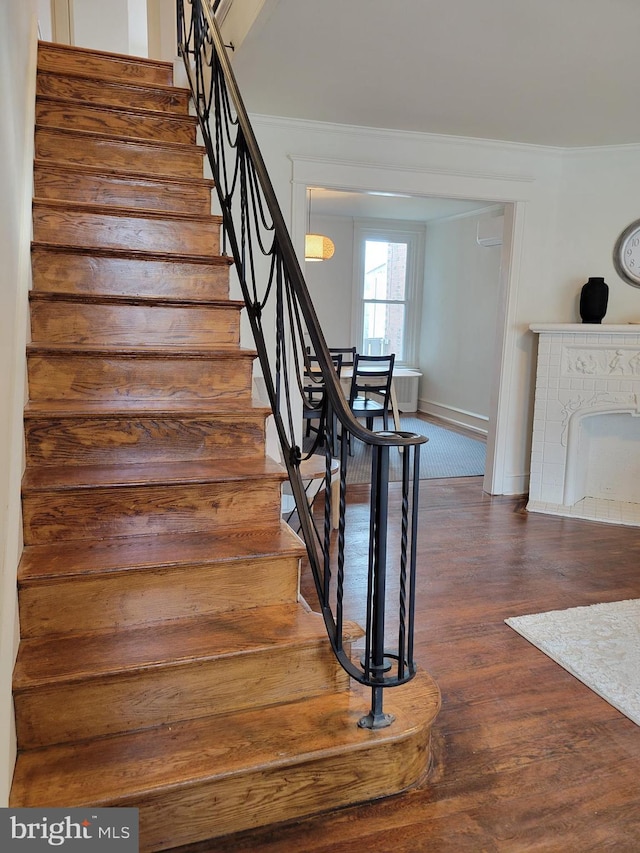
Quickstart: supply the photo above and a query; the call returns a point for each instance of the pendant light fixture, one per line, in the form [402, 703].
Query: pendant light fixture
[317, 247]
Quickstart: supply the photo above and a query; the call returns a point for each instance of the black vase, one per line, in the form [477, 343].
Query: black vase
[593, 300]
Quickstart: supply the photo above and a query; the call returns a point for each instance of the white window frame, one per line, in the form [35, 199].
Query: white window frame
[393, 231]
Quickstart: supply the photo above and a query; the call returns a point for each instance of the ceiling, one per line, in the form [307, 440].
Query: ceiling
[371, 205]
[548, 72]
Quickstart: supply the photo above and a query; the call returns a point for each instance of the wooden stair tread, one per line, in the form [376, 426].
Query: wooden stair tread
[119, 299]
[134, 254]
[103, 65]
[81, 168]
[84, 207]
[133, 408]
[128, 123]
[104, 556]
[84, 52]
[120, 769]
[81, 657]
[158, 473]
[140, 112]
[67, 132]
[179, 116]
[141, 351]
[137, 85]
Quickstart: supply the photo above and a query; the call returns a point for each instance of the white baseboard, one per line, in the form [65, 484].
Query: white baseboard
[459, 417]
[515, 484]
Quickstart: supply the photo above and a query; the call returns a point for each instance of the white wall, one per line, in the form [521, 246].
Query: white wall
[330, 282]
[599, 199]
[161, 23]
[18, 40]
[44, 19]
[459, 321]
[119, 26]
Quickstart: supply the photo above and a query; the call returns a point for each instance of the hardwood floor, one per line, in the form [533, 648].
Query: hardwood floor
[527, 758]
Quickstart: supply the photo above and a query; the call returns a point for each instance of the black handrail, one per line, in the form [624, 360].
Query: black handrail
[254, 228]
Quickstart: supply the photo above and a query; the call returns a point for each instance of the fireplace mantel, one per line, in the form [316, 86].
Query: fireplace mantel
[586, 328]
[587, 371]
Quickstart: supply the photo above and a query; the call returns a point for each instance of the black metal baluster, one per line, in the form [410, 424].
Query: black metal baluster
[254, 229]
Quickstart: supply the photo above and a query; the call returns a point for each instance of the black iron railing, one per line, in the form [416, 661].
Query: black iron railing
[285, 328]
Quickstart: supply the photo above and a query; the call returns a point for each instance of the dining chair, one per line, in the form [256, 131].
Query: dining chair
[313, 402]
[371, 387]
[348, 354]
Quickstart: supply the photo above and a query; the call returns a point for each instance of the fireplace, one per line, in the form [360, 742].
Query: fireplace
[585, 454]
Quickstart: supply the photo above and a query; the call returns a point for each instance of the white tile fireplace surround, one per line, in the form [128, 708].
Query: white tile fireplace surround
[585, 455]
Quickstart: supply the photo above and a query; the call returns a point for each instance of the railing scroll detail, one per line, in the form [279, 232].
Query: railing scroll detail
[285, 328]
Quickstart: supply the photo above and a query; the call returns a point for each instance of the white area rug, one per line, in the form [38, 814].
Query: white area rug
[599, 644]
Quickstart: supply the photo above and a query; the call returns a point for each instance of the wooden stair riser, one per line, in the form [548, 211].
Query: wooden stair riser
[114, 121]
[73, 148]
[74, 227]
[121, 191]
[117, 94]
[275, 795]
[126, 599]
[56, 376]
[136, 438]
[81, 272]
[95, 513]
[73, 322]
[93, 64]
[183, 691]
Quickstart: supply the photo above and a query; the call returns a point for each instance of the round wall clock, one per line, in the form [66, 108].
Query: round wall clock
[626, 254]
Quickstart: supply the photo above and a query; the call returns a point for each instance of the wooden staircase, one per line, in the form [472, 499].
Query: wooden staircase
[166, 660]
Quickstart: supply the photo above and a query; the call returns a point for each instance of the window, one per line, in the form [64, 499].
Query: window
[388, 270]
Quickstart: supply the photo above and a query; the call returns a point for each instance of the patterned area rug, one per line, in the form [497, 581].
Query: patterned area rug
[599, 644]
[446, 454]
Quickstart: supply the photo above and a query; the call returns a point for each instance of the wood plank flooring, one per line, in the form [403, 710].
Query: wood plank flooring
[526, 757]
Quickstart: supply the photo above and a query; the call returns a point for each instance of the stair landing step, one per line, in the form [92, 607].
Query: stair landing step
[294, 759]
[139, 553]
[81, 657]
[73, 477]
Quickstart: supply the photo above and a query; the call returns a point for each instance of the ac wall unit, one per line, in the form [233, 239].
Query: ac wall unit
[490, 231]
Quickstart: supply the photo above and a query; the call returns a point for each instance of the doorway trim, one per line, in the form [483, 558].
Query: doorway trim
[512, 191]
